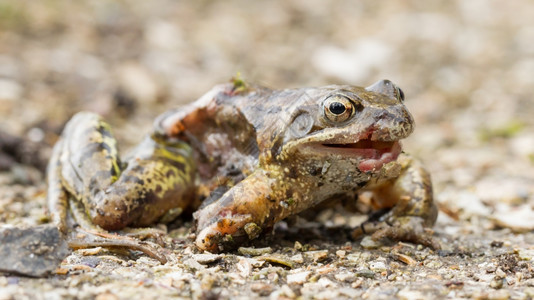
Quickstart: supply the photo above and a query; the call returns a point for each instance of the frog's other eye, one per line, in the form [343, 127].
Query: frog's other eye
[387, 87]
[338, 108]
[399, 94]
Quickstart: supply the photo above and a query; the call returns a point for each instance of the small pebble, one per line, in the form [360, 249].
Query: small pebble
[365, 273]
[526, 254]
[345, 276]
[497, 282]
[244, 267]
[297, 258]
[254, 251]
[193, 265]
[298, 278]
[500, 273]
[316, 256]
[206, 258]
[496, 244]
[434, 264]
[326, 283]
[377, 266]
[273, 277]
[286, 290]
[354, 257]
[351, 293]
[255, 263]
[277, 260]
[518, 219]
[358, 283]
[341, 253]
[404, 258]
[368, 243]
[263, 289]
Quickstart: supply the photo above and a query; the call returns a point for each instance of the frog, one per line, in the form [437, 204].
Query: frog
[243, 157]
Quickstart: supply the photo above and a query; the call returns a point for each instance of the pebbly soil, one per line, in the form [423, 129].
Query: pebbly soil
[466, 68]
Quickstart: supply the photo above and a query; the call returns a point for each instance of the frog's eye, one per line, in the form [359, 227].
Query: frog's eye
[399, 94]
[338, 108]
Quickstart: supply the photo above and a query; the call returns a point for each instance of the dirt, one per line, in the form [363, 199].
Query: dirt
[466, 68]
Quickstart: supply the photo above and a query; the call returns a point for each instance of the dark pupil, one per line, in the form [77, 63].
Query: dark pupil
[337, 108]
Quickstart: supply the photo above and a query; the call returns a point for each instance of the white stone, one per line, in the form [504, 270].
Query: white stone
[298, 278]
[206, 258]
[345, 276]
[377, 266]
[518, 219]
[326, 283]
[297, 258]
[368, 243]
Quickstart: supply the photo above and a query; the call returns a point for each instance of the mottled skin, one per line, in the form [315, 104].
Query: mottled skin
[254, 156]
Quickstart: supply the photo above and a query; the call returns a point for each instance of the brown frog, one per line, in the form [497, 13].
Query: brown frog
[247, 157]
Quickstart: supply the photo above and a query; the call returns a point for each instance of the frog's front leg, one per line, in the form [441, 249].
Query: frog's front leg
[85, 169]
[242, 212]
[411, 201]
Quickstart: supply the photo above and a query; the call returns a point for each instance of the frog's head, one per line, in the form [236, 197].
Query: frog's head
[346, 122]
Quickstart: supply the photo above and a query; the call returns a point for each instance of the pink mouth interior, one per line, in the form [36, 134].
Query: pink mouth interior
[374, 154]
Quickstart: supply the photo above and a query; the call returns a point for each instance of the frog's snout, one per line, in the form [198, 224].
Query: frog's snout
[390, 126]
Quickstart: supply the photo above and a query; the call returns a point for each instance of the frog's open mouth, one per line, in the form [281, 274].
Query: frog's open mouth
[364, 144]
[374, 154]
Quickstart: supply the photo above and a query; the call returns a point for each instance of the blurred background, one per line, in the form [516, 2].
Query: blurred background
[466, 67]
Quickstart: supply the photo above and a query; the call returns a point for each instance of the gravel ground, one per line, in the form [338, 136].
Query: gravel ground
[467, 68]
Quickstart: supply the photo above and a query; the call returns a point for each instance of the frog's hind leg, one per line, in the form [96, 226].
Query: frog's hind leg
[84, 161]
[158, 176]
[410, 209]
[109, 193]
[158, 179]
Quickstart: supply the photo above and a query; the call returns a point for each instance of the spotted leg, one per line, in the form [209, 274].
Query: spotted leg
[85, 170]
